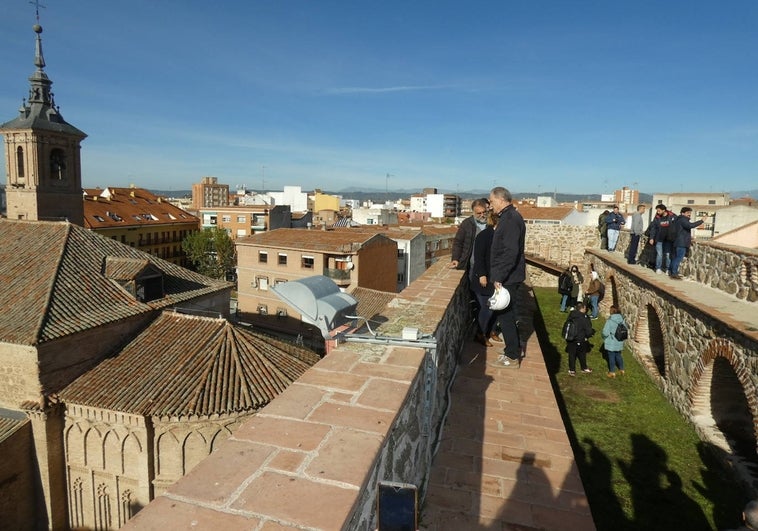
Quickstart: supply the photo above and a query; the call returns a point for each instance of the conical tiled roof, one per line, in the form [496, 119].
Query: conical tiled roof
[185, 365]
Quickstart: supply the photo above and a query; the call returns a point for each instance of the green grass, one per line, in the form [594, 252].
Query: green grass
[642, 465]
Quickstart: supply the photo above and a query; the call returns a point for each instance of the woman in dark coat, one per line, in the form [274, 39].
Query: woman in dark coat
[480, 284]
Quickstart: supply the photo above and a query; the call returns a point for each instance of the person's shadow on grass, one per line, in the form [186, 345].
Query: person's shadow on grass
[657, 496]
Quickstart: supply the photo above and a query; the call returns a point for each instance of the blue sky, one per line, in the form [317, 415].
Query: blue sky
[571, 96]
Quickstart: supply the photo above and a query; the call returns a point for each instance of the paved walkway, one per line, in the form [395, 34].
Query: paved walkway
[504, 462]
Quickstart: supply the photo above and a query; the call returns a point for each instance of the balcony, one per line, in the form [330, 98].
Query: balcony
[340, 276]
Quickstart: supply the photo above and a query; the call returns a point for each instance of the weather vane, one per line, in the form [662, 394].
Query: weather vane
[37, 5]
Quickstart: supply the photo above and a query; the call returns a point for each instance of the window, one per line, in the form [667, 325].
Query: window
[263, 309]
[281, 312]
[690, 201]
[401, 277]
[307, 262]
[282, 259]
[400, 253]
[58, 164]
[262, 283]
[226, 219]
[240, 219]
[711, 201]
[278, 281]
[262, 257]
[241, 232]
[20, 161]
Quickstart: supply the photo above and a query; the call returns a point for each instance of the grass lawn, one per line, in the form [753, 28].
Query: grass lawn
[642, 465]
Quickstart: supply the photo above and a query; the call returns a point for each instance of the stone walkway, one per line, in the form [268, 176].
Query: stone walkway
[504, 461]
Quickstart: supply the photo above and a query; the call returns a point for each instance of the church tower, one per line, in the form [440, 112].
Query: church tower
[42, 155]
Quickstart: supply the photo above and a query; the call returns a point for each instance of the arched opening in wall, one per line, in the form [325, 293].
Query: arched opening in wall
[611, 297]
[720, 409]
[648, 336]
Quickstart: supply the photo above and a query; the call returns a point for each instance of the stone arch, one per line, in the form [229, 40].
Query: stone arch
[112, 453]
[724, 405]
[649, 339]
[93, 449]
[194, 450]
[169, 457]
[220, 436]
[131, 450]
[611, 294]
[74, 446]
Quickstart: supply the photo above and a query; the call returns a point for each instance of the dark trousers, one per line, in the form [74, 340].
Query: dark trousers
[631, 257]
[507, 318]
[577, 350]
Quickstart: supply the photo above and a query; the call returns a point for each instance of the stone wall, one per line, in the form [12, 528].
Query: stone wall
[17, 496]
[561, 244]
[369, 411]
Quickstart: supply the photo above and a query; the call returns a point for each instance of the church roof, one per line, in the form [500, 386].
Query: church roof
[55, 284]
[185, 365]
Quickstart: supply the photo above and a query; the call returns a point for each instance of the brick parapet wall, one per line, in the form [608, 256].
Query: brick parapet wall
[366, 412]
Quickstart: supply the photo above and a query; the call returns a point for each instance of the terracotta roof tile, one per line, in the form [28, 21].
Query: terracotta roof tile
[187, 365]
[54, 284]
[122, 207]
[335, 241]
[10, 421]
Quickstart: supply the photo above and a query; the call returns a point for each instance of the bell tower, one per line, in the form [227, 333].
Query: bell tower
[42, 155]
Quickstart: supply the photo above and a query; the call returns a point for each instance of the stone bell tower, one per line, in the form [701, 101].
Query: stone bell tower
[42, 155]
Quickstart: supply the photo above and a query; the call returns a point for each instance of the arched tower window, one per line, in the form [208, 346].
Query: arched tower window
[20, 161]
[58, 164]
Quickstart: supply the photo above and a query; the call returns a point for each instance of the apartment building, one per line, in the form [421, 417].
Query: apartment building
[140, 219]
[350, 258]
[209, 193]
[245, 220]
[704, 206]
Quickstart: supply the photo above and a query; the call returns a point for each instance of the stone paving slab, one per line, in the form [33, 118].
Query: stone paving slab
[504, 461]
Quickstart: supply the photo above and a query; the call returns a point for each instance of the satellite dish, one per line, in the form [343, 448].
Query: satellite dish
[319, 300]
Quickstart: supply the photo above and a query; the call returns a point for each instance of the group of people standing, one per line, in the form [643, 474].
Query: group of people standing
[490, 246]
[668, 238]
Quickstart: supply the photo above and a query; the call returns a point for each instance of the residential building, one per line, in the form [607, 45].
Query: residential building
[729, 218]
[351, 258]
[293, 196]
[245, 220]
[209, 193]
[140, 219]
[375, 215]
[557, 215]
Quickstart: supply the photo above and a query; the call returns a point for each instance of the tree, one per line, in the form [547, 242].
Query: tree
[211, 251]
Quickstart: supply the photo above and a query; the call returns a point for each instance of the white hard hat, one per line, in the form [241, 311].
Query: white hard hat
[500, 299]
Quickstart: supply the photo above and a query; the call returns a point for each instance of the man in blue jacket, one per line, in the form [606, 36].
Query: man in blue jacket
[508, 268]
[614, 220]
[683, 230]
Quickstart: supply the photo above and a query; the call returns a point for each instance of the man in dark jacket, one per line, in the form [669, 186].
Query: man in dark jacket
[614, 220]
[463, 242]
[508, 268]
[578, 346]
[659, 236]
[683, 230]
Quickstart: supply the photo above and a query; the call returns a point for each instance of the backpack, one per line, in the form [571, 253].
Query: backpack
[565, 283]
[621, 333]
[569, 330]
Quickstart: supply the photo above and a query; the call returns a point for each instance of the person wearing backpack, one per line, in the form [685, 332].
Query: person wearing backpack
[576, 331]
[614, 333]
[565, 285]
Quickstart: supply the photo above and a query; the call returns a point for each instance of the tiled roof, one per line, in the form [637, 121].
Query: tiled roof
[372, 304]
[334, 241]
[54, 285]
[119, 268]
[10, 421]
[187, 365]
[545, 213]
[124, 207]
